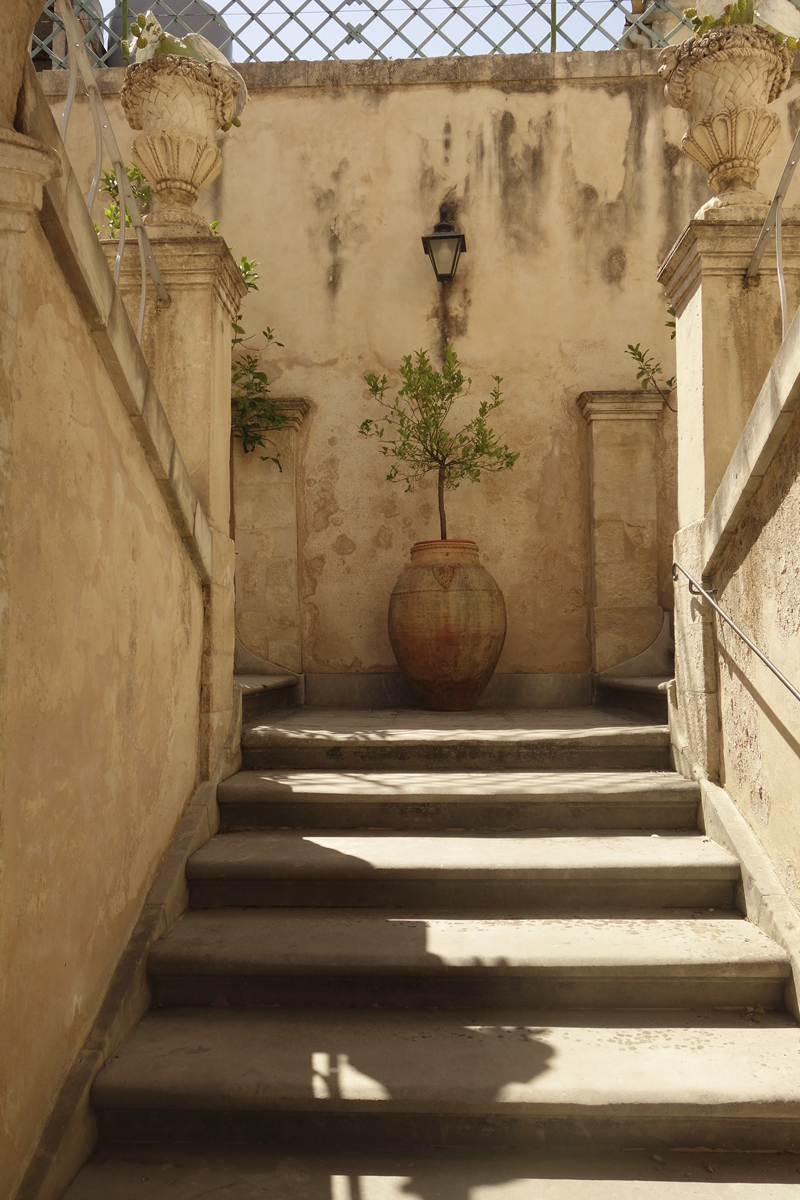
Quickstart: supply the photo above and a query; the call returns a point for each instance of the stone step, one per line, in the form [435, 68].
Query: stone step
[476, 800]
[530, 872]
[262, 693]
[645, 695]
[502, 1077]
[175, 1172]
[581, 739]
[362, 958]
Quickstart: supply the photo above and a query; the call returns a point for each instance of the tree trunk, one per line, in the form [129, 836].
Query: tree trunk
[442, 517]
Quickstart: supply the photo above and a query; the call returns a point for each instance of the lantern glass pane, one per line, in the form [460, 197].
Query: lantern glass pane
[445, 253]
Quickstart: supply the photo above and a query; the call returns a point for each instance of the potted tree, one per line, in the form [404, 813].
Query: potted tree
[447, 617]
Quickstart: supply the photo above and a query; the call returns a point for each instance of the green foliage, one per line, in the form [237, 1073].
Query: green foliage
[649, 372]
[140, 188]
[741, 12]
[254, 414]
[412, 432]
[165, 43]
[671, 324]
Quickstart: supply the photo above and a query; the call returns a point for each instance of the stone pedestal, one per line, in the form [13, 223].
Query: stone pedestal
[728, 333]
[268, 618]
[187, 344]
[626, 615]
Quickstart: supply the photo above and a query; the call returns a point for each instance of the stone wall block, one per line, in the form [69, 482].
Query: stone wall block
[626, 615]
[728, 334]
[268, 616]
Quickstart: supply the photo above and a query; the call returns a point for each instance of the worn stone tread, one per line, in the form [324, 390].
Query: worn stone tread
[443, 786]
[254, 1173]
[252, 941]
[495, 1062]
[291, 855]
[438, 800]
[582, 738]
[392, 726]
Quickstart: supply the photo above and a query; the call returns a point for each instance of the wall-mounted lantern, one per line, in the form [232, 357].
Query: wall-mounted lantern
[444, 247]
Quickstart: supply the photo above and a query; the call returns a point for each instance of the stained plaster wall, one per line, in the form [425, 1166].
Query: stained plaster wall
[567, 197]
[758, 583]
[106, 623]
[570, 191]
[566, 176]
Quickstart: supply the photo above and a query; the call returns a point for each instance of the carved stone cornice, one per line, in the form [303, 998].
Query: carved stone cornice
[186, 261]
[723, 248]
[620, 406]
[25, 167]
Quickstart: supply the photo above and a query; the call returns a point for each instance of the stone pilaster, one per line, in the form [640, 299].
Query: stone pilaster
[626, 615]
[187, 345]
[268, 617]
[728, 333]
[25, 167]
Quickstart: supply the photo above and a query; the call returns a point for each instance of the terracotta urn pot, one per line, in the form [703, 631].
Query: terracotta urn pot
[725, 80]
[447, 624]
[179, 105]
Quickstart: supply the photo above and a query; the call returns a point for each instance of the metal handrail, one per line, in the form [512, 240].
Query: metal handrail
[773, 221]
[79, 63]
[698, 590]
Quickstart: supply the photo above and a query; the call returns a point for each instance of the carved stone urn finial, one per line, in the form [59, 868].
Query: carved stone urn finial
[725, 80]
[179, 105]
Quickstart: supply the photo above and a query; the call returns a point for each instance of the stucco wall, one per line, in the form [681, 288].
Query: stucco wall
[759, 585]
[566, 176]
[570, 191]
[106, 623]
[568, 199]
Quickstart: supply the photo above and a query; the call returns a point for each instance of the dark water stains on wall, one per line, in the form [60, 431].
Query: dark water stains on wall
[321, 499]
[373, 99]
[477, 155]
[328, 203]
[614, 265]
[597, 224]
[450, 313]
[523, 174]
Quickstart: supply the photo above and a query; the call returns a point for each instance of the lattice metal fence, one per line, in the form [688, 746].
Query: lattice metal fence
[384, 29]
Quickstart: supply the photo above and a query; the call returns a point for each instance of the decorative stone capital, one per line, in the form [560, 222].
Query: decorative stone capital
[190, 262]
[620, 406]
[25, 167]
[722, 249]
[295, 408]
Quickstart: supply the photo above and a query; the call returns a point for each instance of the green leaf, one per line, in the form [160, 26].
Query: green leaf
[415, 432]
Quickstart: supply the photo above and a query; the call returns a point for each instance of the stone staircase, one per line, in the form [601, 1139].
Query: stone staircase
[420, 934]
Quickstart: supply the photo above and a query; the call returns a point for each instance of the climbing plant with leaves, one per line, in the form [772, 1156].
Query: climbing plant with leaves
[649, 373]
[110, 186]
[412, 432]
[741, 12]
[254, 413]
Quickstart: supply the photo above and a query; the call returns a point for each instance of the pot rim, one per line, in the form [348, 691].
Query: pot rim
[444, 542]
